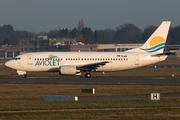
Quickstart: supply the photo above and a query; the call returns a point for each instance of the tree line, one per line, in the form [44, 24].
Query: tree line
[126, 33]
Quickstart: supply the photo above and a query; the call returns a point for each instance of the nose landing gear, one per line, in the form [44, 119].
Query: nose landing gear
[23, 73]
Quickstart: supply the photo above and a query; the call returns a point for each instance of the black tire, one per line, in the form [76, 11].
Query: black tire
[24, 76]
[88, 75]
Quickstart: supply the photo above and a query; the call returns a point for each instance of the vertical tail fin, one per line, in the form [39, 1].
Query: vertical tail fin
[156, 42]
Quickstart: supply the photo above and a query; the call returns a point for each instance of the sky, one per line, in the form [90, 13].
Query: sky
[36, 15]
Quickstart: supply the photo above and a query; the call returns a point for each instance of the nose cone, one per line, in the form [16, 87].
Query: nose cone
[8, 64]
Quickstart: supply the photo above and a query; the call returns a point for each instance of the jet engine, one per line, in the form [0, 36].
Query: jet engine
[68, 70]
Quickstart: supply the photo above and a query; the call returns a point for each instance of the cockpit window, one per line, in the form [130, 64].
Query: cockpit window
[17, 58]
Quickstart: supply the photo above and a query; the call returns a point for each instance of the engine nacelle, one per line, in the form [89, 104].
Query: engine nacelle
[68, 70]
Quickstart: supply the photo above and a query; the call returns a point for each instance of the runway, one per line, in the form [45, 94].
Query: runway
[161, 65]
[93, 81]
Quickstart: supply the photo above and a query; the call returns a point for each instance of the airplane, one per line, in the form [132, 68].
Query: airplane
[74, 63]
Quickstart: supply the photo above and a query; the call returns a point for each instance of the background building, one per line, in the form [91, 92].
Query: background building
[43, 43]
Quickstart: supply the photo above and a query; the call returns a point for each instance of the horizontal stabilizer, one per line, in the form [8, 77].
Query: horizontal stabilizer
[165, 53]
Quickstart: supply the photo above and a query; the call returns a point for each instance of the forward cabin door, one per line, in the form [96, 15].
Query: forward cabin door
[136, 58]
[30, 59]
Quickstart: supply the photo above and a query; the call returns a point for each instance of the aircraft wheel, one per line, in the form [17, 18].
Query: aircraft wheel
[24, 76]
[88, 75]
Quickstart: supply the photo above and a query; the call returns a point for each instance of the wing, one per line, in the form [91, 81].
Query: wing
[91, 66]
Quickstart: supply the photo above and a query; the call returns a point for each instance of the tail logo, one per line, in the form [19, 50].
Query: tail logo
[156, 43]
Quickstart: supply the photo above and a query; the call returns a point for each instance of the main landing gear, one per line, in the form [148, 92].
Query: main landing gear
[88, 75]
[24, 76]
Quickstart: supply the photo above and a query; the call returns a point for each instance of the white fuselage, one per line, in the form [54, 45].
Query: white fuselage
[41, 61]
[73, 63]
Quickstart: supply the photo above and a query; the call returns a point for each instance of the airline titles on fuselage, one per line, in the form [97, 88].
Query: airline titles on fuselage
[56, 61]
[47, 62]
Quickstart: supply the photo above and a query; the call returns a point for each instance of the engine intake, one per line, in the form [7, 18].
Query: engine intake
[68, 70]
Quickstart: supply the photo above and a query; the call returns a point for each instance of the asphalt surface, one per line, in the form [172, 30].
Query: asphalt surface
[93, 80]
[161, 65]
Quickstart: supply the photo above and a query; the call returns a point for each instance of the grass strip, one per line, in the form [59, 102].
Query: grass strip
[19, 91]
[19, 105]
[157, 113]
